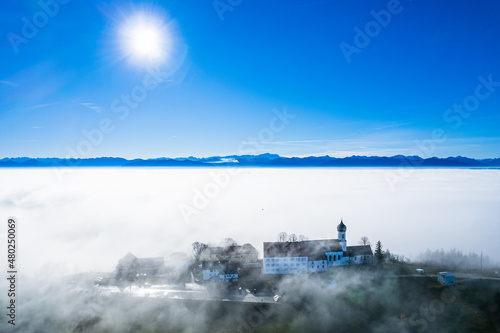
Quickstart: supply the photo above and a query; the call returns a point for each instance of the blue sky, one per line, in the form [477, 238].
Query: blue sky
[422, 78]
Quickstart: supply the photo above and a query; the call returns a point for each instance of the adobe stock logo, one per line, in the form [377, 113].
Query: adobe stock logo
[223, 6]
[454, 118]
[222, 179]
[122, 107]
[30, 27]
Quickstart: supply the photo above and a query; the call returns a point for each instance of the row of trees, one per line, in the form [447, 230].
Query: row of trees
[284, 237]
[455, 258]
[386, 256]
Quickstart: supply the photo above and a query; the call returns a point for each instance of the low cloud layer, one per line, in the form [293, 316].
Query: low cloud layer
[94, 216]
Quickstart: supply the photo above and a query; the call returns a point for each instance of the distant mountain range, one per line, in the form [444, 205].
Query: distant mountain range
[263, 160]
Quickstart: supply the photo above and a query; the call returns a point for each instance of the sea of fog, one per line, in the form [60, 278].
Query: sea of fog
[85, 219]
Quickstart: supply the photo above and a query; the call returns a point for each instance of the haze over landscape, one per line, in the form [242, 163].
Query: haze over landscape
[131, 130]
[104, 213]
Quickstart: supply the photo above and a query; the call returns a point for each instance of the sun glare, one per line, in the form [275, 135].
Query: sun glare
[145, 39]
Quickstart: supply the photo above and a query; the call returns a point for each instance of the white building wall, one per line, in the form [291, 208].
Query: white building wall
[228, 277]
[335, 258]
[209, 273]
[362, 259]
[285, 265]
[318, 266]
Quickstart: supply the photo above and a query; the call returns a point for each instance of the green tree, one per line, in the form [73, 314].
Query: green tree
[388, 256]
[379, 255]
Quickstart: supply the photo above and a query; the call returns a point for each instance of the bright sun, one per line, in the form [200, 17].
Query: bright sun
[145, 39]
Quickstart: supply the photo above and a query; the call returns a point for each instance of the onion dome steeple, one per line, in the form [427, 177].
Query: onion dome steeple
[341, 227]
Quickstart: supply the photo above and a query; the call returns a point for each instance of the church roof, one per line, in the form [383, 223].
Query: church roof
[310, 249]
[359, 250]
[341, 227]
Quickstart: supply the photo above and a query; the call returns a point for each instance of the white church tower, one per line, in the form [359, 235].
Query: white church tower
[341, 228]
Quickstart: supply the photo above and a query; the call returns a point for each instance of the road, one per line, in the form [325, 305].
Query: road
[461, 277]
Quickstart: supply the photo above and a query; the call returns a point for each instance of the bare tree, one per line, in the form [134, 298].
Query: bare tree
[364, 241]
[293, 238]
[302, 238]
[282, 237]
[198, 248]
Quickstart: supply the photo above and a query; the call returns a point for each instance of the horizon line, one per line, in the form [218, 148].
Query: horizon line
[253, 155]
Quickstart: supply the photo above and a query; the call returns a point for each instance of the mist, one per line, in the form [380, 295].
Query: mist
[87, 220]
[92, 217]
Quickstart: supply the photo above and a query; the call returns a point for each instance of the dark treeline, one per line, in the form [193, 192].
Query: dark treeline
[455, 258]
